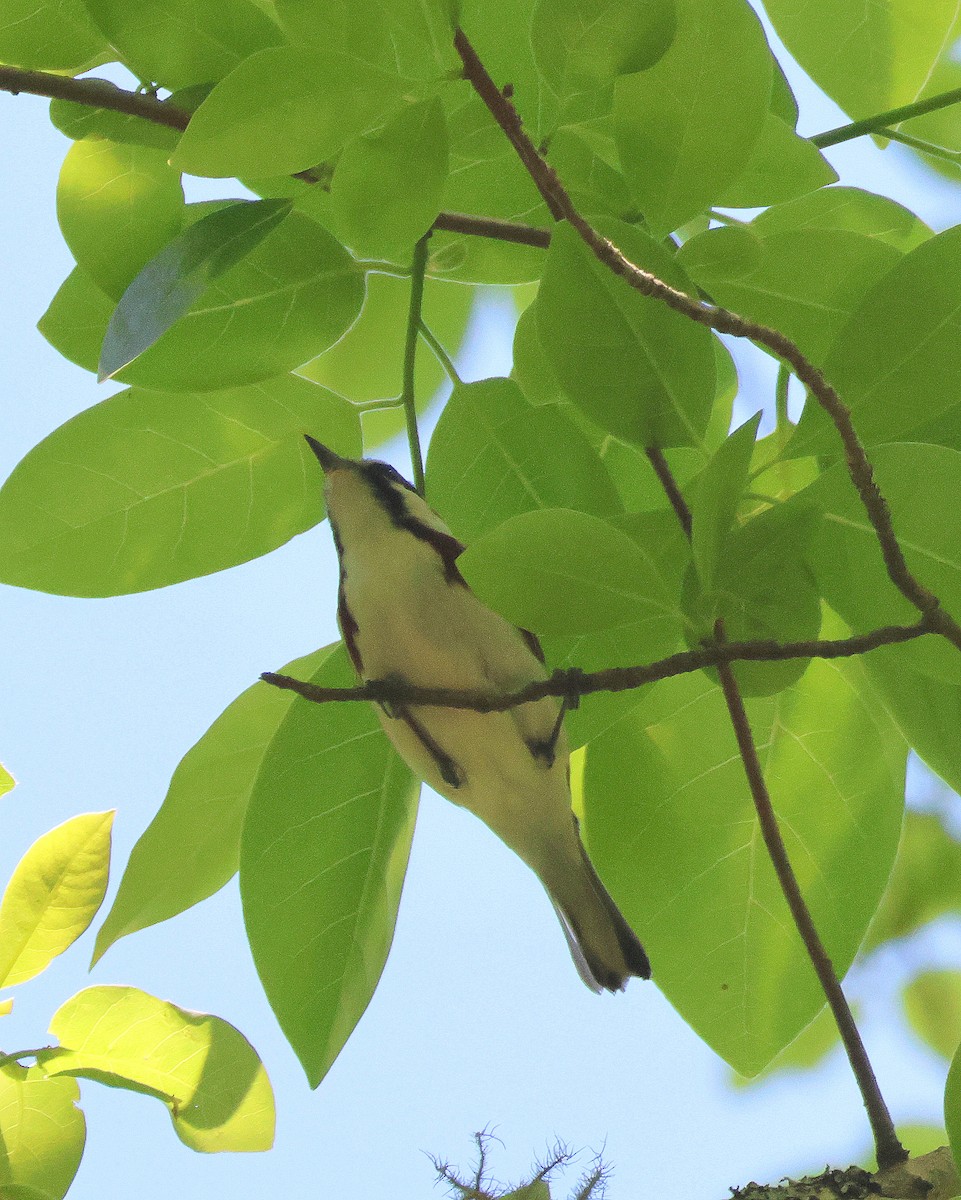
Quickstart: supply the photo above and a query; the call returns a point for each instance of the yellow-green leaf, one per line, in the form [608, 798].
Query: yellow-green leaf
[42, 1134]
[53, 895]
[204, 1069]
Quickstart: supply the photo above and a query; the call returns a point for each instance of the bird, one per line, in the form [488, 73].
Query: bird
[406, 614]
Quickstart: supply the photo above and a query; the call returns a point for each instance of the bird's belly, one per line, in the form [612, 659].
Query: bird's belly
[432, 633]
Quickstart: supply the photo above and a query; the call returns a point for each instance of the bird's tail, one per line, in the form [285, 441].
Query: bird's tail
[606, 951]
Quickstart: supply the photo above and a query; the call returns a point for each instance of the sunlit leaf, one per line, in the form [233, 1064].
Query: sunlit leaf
[53, 895]
[118, 206]
[202, 1068]
[42, 1134]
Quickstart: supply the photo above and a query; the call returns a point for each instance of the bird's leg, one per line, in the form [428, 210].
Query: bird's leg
[547, 749]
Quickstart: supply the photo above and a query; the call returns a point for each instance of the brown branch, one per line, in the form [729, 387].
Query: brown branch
[100, 93]
[724, 321]
[611, 679]
[889, 1150]
[655, 456]
[492, 227]
[94, 93]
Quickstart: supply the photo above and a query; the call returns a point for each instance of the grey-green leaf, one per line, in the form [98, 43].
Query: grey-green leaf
[175, 279]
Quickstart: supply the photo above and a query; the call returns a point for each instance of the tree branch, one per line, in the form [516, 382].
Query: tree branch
[101, 93]
[612, 679]
[95, 93]
[560, 204]
[887, 1145]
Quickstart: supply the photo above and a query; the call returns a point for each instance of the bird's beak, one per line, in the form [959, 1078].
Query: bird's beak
[325, 456]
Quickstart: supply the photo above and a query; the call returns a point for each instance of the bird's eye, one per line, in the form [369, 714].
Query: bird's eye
[385, 473]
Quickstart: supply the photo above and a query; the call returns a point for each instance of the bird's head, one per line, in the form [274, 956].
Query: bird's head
[367, 500]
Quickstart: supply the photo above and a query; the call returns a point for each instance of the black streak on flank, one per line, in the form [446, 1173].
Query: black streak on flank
[383, 481]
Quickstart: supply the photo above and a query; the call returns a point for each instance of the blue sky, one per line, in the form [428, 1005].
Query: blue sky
[480, 1019]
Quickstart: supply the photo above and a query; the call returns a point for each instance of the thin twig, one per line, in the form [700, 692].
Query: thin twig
[887, 1144]
[611, 679]
[493, 227]
[408, 399]
[443, 357]
[893, 116]
[559, 202]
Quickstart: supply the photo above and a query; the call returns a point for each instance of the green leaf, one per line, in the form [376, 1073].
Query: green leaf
[585, 157]
[150, 488]
[52, 35]
[932, 1005]
[556, 571]
[292, 296]
[926, 710]
[537, 1189]
[77, 319]
[322, 863]
[413, 38]
[687, 128]
[867, 59]
[952, 1106]
[203, 1069]
[118, 206]
[897, 361]
[284, 109]
[78, 121]
[493, 455]
[665, 551]
[782, 166]
[635, 367]
[53, 895]
[486, 178]
[531, 367]
[763, 589]
[580, 45]
[778, 278]
[922, 486]
[7, 781]
[192, 846]
[676, 838]
[169, 285]
[177, 43]
[719, 493]
[349, 367]
[42, 1134]
[925, 883]
[387, 187]
[808, 1050]
[846, 208]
